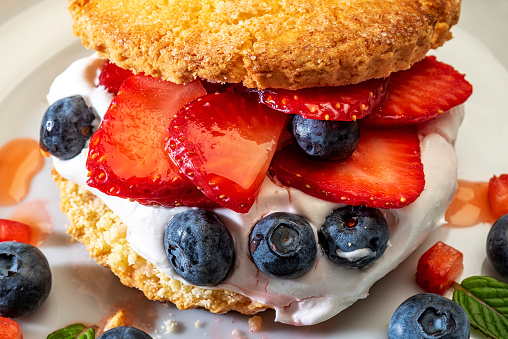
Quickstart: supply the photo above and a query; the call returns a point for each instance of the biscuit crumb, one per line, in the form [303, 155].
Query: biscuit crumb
[116, 320]
[255, 323]
[169, 326]
[197, 324]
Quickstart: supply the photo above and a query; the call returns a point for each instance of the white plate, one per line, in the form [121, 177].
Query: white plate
[37, 44]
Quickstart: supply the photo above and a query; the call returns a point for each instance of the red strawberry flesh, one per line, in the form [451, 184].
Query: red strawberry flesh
[421, 93]
[438, 268]
[11, 230]
[385, 171]
[112, 76]
[213, 87]
[10, 329]
[345, 103]
[224, 143]
[498, 195]
[127, 157]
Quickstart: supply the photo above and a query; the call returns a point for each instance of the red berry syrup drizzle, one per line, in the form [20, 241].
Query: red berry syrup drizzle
[20, 161]
[470, 205]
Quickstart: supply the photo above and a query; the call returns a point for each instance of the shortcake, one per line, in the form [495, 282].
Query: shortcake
[245, 155]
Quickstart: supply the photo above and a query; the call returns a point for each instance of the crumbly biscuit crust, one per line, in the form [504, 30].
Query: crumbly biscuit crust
[265, 43]
[96, 226]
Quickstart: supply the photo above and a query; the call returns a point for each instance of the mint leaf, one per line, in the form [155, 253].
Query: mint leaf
[89, 334]
[69, 332]
[72, 332]
[485, 301]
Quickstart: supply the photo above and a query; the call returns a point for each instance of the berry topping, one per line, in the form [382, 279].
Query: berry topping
[326, 140]
[428, 315]
[497, 246]
[25, 279]
[344, 103]
[498, 195]
[126, 332]
[11, 230]
[10, 329]
[127, 157]
[354, 236]
[199, 247]
[438, 268]
[112, 76]
[224, 144]
[213, 87]
[283, 245]
[66, 126]
[385, 171]
[421, 93]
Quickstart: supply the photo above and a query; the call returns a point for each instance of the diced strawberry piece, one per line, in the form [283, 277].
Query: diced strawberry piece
[343, 103]
[498, 195]
[11, 230]
[438, 268]
[224, 143]
[112, 76]
[127, 157]
[421, 93]
[385, 171]
[10, 329]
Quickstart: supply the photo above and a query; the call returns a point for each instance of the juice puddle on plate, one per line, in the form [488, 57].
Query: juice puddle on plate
[20, 160]
[470, 205]
[34, 213]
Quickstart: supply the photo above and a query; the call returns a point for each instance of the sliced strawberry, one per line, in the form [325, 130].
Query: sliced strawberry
[127, 157]
[423, 92]
[193, 197]
[213, 87]
[498, 195]
[438, 268]
[385, 171]
[112, 76]
[224, 143]
[11, 230]
[344, 103]
[9, 329]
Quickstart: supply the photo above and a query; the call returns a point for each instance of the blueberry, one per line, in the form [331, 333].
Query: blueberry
[428, 315]
[497, 246]
[200, 247]
[25, 279]
[124, 332]
[354, 236]
[283, 245]
[66, 126]
[326, 140]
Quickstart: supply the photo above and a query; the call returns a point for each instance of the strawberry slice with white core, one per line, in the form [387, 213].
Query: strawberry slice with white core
[344, 103]
[127, 156]
[421, 93]
[385, 171]
[224, 143]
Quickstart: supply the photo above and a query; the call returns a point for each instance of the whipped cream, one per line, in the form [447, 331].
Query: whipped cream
[356, 254]
[327, 288]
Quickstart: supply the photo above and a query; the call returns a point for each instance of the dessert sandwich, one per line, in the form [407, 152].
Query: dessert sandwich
[245, 155]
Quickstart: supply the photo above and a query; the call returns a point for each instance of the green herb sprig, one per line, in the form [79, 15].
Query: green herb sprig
[485, 300]
[72, 332]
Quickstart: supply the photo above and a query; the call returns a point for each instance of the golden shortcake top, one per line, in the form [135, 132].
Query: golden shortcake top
[265, 43]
